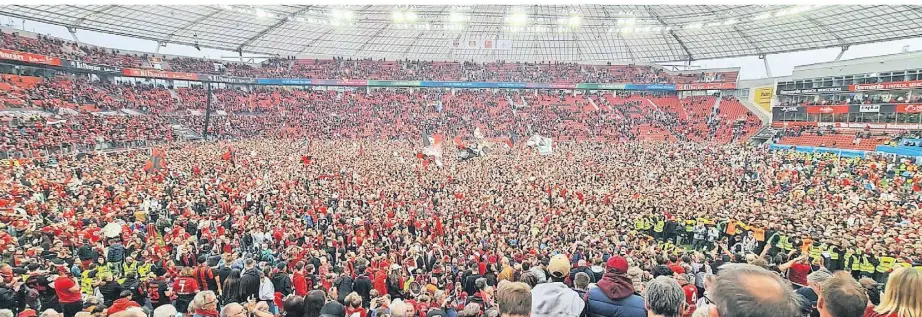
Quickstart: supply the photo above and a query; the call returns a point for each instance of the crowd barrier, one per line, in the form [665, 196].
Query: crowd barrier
[75, 149]
[900, 150]
[816, 149]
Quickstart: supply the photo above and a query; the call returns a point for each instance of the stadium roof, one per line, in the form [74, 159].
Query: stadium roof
[578, 33]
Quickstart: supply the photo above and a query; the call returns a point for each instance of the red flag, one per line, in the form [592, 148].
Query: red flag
[306, 159]
[457, 141]
[156, 162]
[228, 155]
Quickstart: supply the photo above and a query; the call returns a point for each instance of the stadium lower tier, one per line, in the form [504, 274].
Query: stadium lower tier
[122, 114]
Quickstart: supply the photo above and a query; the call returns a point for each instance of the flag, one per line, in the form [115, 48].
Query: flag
[543, 144]
[458, 142]
[306, 159]
[228, 155]
[156, 162]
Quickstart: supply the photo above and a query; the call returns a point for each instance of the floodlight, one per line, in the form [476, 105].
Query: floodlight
[574, 21]
[398, 16]
[518, 18]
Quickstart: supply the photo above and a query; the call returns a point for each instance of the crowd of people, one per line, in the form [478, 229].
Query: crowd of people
[325, 203]
[330, 114]
[346, 68]
[312, 227]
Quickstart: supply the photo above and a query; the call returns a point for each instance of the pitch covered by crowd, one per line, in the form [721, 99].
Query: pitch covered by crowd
[288, 217]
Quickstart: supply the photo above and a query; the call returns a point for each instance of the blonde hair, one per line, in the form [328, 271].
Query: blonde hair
[902, 295]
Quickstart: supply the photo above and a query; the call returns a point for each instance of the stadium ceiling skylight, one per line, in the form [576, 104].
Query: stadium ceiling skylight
[576, 33]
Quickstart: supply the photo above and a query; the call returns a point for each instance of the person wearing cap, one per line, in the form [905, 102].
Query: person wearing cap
[555, 298]
[614, 294]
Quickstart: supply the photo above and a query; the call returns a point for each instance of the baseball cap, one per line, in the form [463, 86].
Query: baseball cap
[559, 266]
[616, 263]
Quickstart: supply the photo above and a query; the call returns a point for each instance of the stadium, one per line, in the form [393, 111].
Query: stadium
[460, 160]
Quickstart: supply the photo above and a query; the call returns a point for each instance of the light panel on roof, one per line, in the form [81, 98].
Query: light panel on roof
[588, 33]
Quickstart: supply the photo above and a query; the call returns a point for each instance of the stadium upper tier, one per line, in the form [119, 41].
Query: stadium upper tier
[366, 69]
[564, 33]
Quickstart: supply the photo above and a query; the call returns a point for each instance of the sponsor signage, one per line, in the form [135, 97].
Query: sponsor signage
[887, 86]
[339, 82]
[227, 79]
[811, 91]
[90, 67]
[789, 109]
[869, 108]
[706, 86]
[827, 109]
[909, 108]
[763, 97]
[862, 125]
[29, 57]
[785, 124]
[134, 72]
[282, 81]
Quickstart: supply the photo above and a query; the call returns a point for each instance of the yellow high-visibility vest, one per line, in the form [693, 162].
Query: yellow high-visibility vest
[638, 224]
[886, 264]
[855, 263]
[866, 265]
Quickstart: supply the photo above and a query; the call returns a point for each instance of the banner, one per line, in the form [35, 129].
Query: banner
[763, 97]
[397, 83]
[544, 145]
[29, 57]
[827, 109]
[811, 149]
[135, 72]
[282, 81]
[481, 44]
[228, 79]
[909, 108]
[788, 109]
[90, 67]
[811, 91]
[869, 108]
[394, 83]
[706, 86]
[339, 82]
[868, 125]
[552, 86]
[887, 86]
[602, 86]
[786, 124]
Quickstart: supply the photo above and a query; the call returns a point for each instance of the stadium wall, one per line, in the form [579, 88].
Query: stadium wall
[877, 64]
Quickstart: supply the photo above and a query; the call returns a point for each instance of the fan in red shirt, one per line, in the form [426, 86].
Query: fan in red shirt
[798, 269]
[185, 288]
[68, 291]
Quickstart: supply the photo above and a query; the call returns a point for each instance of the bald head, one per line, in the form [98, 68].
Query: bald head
[752, 291]
[231, 310]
